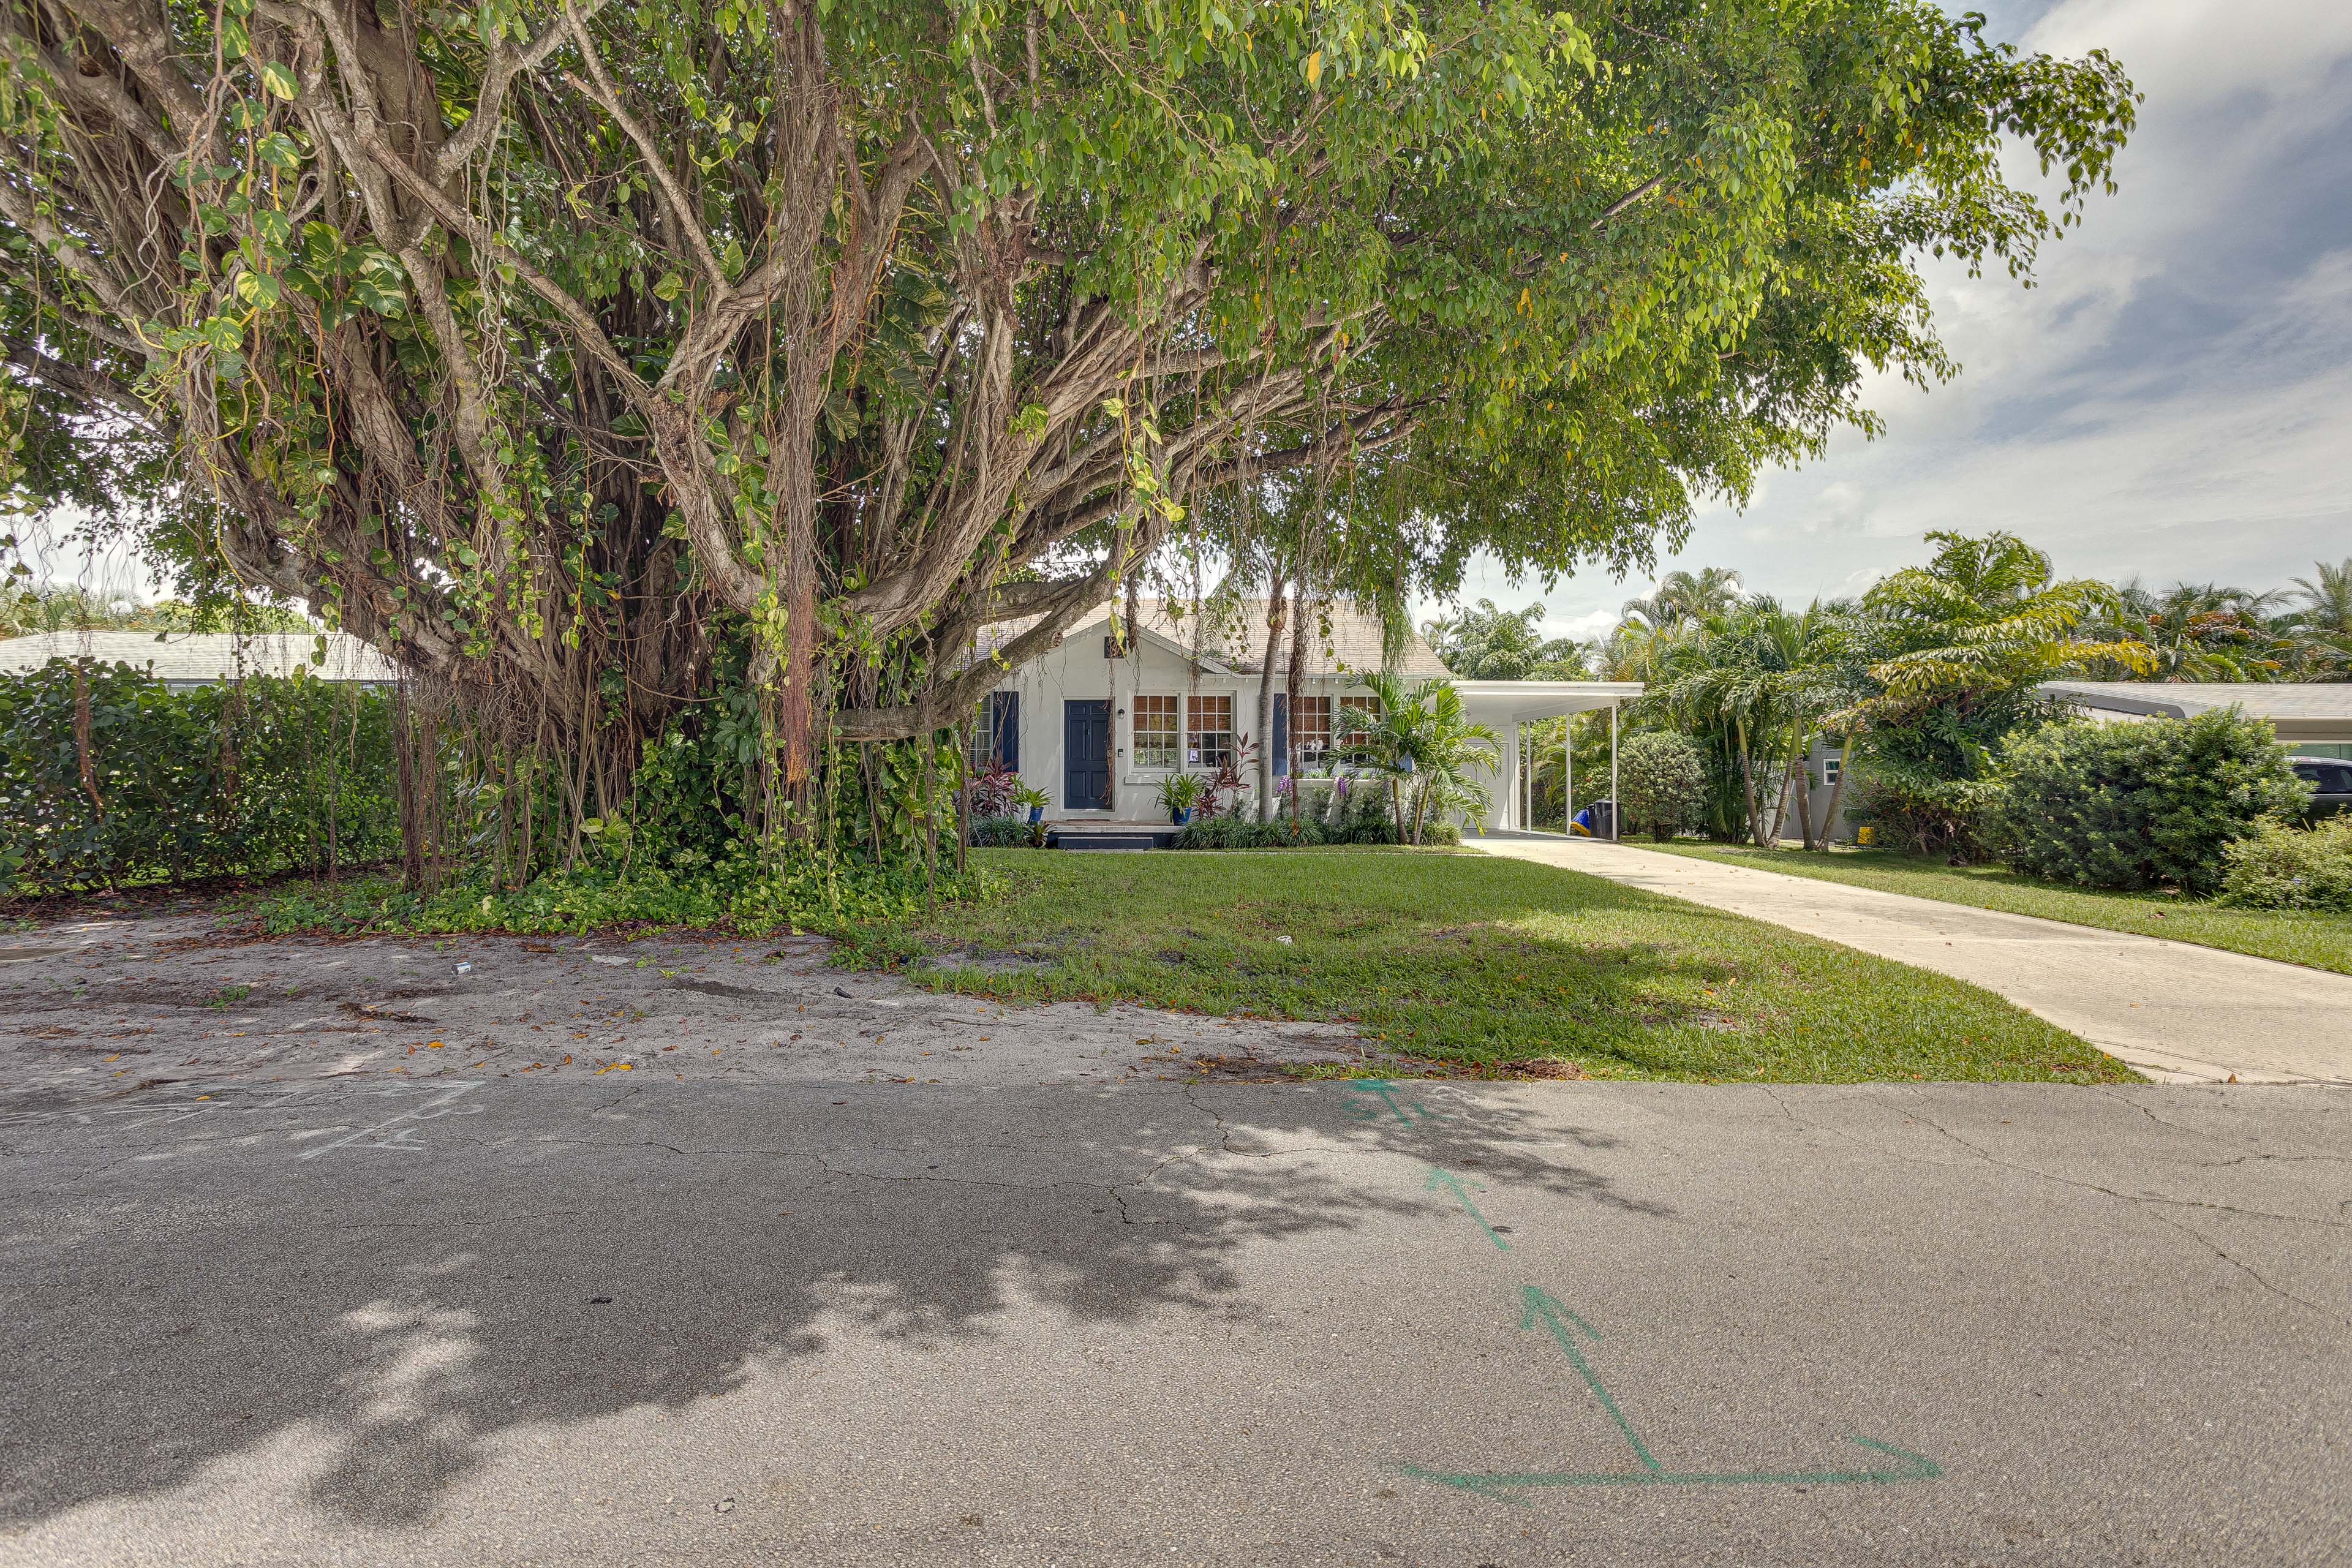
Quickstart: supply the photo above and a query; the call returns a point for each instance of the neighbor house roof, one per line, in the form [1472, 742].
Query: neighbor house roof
[2297, 710]
[195, 657]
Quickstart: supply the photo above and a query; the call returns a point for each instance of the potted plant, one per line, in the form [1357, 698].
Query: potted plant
[1180, 792]
[1034, 798]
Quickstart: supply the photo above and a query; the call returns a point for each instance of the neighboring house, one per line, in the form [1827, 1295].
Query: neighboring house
[181, 659]
[2310, 719]
[1097, 727]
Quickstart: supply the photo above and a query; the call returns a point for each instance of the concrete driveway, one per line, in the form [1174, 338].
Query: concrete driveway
[2178, 1012]
[279, 1297]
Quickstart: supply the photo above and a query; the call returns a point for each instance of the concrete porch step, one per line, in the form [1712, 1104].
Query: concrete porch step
[1111, 836]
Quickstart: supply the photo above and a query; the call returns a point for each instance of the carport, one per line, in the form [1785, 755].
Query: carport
[1512, 708]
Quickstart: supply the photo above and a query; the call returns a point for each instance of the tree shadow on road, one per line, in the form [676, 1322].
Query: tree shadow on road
[400, 1315]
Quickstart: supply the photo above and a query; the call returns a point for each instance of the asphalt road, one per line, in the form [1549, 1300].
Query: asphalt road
[820, 1317]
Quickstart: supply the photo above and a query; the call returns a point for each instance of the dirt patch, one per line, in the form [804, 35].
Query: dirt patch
[1548, 1067]
[663, 1008]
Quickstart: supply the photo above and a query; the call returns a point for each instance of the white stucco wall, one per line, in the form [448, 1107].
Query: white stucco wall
[1076, 670]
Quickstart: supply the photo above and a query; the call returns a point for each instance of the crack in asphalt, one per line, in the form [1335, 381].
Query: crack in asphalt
[2250, 1272]
[1992, 1159]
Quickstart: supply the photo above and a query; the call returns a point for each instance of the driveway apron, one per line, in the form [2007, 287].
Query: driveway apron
[2178, 1013]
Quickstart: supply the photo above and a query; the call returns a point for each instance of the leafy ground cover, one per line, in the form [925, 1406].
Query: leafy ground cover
[801, 894]
[2320, 939]
[1479, 963]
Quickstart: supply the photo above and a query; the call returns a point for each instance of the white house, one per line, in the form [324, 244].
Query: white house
[1098, 726]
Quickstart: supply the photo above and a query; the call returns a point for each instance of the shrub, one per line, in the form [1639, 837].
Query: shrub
[1242, 833]
[992, 792]
[253, 777]
[1000, 832]
[1919, 816]
[745, 892]
[2141, 804]
[1661, 783]
[2282, 868]
[1357, 810]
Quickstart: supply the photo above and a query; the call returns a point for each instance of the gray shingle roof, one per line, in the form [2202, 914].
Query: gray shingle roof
[2186, 699]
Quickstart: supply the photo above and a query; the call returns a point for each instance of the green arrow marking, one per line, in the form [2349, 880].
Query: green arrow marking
[1500, 1484]
[1546, 1309]
[1447, 1181]
[1564, 1325]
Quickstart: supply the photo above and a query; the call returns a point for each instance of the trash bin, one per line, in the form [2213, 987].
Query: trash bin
[1598, 820]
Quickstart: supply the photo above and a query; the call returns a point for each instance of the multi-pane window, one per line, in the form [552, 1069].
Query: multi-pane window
[1310, 729]
[996, 737]
[1208, 743]
[1155, 731]
[1355, 711]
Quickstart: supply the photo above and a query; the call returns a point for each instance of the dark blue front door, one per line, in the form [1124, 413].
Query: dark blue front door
[1086, 754]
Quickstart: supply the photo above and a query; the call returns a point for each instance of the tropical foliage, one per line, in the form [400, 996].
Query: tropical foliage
[1428, 749]
[1662, 782]
[575, 353]
[109, 777]
[1920, 685]
[2279, 867]
[1492, 643]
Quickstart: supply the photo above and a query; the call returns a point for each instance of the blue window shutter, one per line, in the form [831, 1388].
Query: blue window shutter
[1005, 725]
[1281, 735]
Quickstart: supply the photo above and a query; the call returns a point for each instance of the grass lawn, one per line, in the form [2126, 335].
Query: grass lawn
[2322, 941]
[1475, 961]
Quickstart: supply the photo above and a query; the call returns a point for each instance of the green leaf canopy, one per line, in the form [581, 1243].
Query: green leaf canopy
[548, 345]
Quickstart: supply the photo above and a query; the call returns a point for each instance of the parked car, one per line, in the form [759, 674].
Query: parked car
[2330, 779]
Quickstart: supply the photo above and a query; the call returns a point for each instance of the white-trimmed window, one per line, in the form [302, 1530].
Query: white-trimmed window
[1310, 729]
[1155, 731]
[1355, 711]
[1209, 732]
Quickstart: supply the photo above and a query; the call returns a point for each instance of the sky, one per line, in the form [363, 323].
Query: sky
[2174, 400]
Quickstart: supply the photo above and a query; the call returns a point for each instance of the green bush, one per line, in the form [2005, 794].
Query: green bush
[264, 774]
[1661, 783]
[2282, 868]
[743, 891]
[1247, 833]
[1917, 815]
[1000, 832]
[2145, 804]
[1357, 809]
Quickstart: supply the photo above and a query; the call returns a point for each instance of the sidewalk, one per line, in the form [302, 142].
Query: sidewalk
[2177, 1012]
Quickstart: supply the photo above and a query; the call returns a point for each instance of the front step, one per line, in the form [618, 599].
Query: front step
[1122, 837]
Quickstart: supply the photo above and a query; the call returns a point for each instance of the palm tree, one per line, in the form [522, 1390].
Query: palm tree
[1423, 735]
[2326, 603]
[1683, 597]
[1768, 676]
[2201, 632]
[2323, 623]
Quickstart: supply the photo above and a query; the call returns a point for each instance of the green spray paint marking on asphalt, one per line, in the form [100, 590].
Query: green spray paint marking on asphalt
[1384, 1090]
[1562, 1324]
[1447, 1181]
